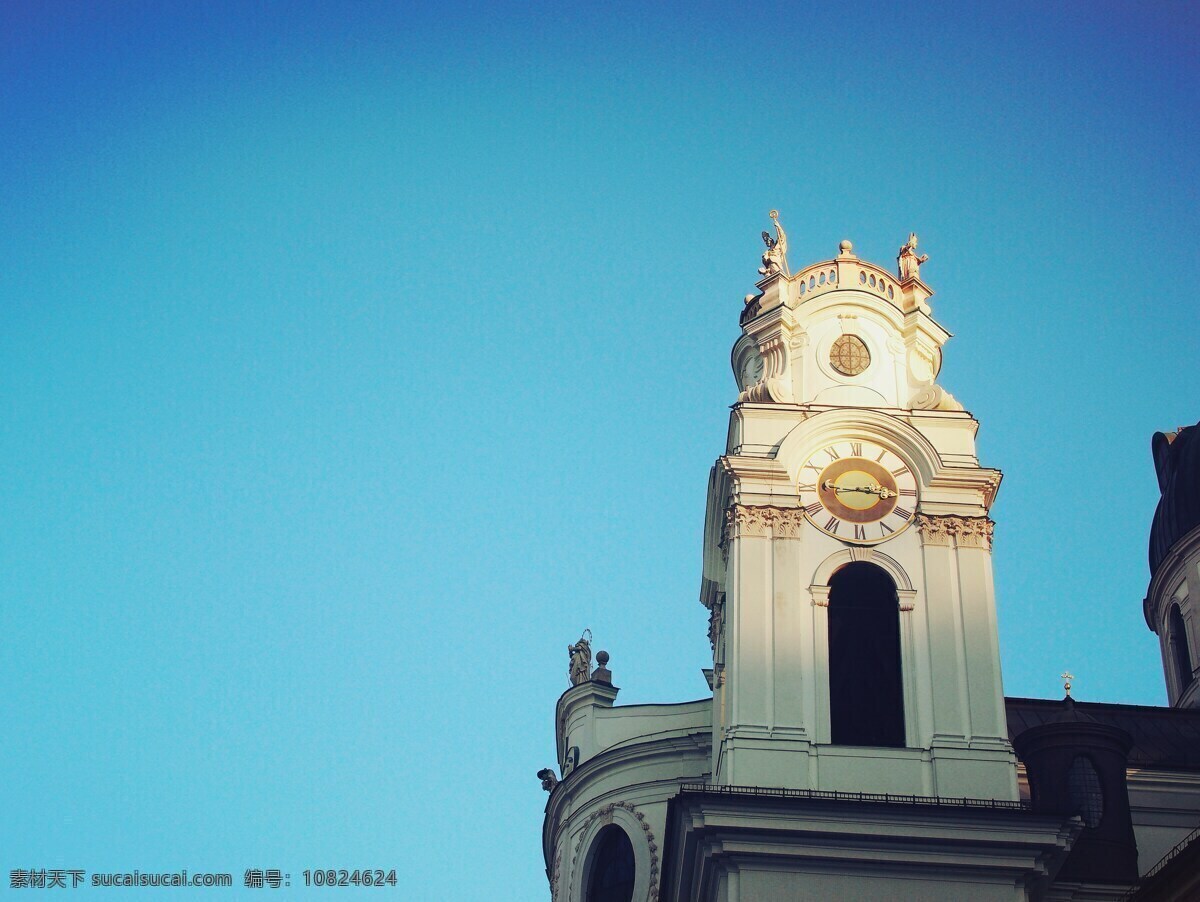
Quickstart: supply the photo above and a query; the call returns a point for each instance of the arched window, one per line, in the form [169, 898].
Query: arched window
[866, 692]
[1179, 648]
[1083, 788]
[611, 876]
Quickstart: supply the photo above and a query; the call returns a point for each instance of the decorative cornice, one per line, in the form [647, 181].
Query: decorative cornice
[606, 813]
[965, 532]
[763, 521]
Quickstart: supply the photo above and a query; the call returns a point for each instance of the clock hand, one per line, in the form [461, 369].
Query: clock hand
[873, 489]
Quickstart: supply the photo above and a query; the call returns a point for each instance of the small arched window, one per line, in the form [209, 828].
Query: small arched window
[612, 870]
[866, 689]
[1083, 788]
[1179, 648]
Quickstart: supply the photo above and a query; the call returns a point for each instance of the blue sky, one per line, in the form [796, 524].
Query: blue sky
[357, 356]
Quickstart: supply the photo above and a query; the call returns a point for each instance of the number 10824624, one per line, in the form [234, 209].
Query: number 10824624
[343, 877]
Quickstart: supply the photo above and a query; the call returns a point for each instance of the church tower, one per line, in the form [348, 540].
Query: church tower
[847, 554]
[855, 743]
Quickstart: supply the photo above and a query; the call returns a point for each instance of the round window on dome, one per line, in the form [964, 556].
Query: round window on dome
[849, 356]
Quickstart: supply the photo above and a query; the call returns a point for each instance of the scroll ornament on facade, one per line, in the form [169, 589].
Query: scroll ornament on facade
[933, 397]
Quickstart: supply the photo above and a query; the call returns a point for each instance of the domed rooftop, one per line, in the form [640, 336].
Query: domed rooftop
[1177, 462]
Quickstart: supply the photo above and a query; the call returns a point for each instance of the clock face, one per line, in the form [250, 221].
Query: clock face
[858, 492]
[752, 370]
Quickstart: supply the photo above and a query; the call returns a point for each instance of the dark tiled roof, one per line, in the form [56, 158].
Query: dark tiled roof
[1162, 737]
[1177, 462]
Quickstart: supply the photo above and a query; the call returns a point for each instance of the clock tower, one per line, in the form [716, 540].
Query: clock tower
[847, 550]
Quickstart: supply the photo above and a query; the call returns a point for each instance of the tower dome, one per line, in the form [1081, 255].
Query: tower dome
[1177, 462]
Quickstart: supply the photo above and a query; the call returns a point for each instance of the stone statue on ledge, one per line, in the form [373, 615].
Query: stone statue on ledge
[549, 781]
[774, 258]
[909, 262]
[581, 659]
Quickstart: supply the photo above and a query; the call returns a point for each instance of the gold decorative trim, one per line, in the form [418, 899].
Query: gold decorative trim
[964, 532]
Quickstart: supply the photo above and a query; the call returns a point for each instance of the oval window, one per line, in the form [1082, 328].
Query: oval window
[612, 871]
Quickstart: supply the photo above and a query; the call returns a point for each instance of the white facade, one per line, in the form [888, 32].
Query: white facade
[842, 451]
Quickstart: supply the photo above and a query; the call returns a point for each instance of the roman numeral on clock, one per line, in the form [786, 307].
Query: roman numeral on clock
[901, 512]
[832, 452]
[832, 525]
[884, 529]
[856, 449]
[911, 493]
[860, 532]
[813, 509]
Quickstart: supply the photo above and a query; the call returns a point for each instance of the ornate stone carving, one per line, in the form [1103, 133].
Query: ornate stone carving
[976, 532]
[549, 781]
[787, 522]
[606, 814]
[581, 659]
[746, 520]
[908, 261]
[970, 532]
[554, 872]
[774, 258]
[716, 622]
[934, 530]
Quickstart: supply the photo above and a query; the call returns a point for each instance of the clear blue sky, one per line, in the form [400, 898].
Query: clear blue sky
[357, 356]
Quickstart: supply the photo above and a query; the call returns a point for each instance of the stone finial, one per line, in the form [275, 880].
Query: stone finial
[549, 781]
[581, 659]
[774, 258]
[846, 248]
[602, 674]
[908, 261]
[1066, 677]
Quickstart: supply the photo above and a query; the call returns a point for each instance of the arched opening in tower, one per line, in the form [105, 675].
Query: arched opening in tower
[1179, 649]
[866, 693]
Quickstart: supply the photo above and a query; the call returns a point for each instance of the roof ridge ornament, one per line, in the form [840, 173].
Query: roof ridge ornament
[774, 258]
[907, 260]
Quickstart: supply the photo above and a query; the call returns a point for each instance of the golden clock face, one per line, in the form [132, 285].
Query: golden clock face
[858, 492]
